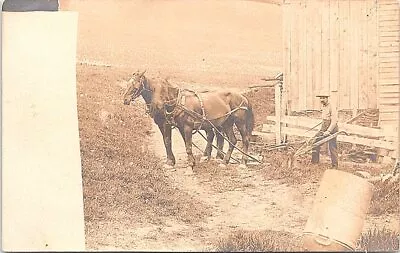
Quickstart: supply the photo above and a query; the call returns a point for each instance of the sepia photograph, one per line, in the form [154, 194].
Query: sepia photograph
[200, 125]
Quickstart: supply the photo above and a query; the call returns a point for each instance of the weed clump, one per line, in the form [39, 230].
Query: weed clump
[258, 241]
[379, 240]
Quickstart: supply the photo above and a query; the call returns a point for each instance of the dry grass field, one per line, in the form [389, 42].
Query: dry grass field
[130, 201]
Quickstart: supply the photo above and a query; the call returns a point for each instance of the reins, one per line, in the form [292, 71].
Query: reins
[203, 118]
[177, 104]
[236, 160]
[144, 88]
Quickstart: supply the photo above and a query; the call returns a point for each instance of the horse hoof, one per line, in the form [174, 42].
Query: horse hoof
[222, 165]
[204, 159]
[189, 171]
[168, 167]
[242, 166]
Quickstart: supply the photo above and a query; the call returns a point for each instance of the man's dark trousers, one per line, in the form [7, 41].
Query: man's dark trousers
[332, 146]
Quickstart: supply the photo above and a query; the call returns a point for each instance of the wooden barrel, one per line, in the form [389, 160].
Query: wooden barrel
[338, 213]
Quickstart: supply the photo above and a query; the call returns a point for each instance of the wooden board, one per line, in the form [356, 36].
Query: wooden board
[325, 56]
[372, 58]
[278, 114]
[388, 7]
[389, 28]
[395, 100]
[310, 44]
[334, 45]
[389, 69]
[389, 49]
[388, 108]
[341, 138]
[286, 55]
[392, 75]
[344, 54]
[389, 39]
[294, 57]
[308, 123]
[388, 43]
[390, 54]
[388, 23]
[388, 12]
[387, 17]
[302, 60]
[317, 53]
[354, 54]
[390, 95]
[298, 121]
[364, 91]
[391, 59]
[389, 34]
[389, 89]
[389, 82]
[389, 116]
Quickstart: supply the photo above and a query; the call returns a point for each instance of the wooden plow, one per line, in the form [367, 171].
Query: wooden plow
[310, 144]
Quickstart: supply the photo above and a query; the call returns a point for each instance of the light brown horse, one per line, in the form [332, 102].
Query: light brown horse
[190, 111]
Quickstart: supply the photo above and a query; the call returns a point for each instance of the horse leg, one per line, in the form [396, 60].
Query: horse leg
[182, 133]
[188, 144]
[208, 150]
[220, 143]
[166, 130]
[232, 139]
[245, 140]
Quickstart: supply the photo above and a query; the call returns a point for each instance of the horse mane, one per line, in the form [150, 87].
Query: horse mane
[162, 91]
[171, 90]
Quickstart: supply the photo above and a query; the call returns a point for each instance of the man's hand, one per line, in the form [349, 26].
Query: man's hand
[326, 133]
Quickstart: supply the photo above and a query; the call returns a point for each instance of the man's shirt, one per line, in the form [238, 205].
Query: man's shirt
[329, 117]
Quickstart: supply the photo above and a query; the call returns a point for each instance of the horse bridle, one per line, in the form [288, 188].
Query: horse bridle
[139, 91]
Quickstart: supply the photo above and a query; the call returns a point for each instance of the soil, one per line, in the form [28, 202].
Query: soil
[131, 202]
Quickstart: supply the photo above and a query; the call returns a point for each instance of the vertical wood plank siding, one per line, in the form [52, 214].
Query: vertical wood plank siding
[332, 45]
[348, 47]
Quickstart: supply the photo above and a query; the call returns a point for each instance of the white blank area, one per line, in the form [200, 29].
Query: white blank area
[41, 175]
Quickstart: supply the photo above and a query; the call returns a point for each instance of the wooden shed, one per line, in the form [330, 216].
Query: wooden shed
[349, 47]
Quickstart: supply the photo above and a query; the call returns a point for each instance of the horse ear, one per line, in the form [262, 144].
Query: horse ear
[143, 72]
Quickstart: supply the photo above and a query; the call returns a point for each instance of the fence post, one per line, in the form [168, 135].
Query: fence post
[278, 111]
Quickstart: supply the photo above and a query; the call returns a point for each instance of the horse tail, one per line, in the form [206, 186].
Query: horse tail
[249, 119]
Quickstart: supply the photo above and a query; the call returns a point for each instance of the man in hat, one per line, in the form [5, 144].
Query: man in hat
[329, 126]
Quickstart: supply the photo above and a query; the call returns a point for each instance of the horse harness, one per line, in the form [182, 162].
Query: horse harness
[194, 114]
[180, 104]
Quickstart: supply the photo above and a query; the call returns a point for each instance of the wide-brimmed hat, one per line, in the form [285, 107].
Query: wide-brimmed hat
[323, 93]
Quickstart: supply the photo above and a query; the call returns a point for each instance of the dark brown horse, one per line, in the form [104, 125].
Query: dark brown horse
[190, 111]
[137, 86]
[146, 90]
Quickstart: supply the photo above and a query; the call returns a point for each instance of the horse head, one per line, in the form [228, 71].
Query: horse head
[134, 88]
